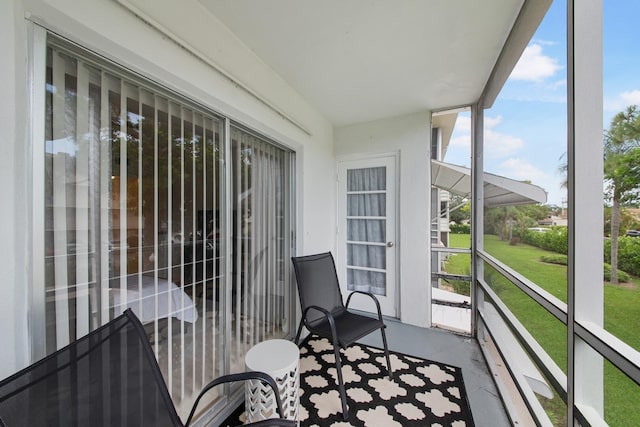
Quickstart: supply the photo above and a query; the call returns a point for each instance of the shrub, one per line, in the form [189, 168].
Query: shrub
[562, 260]
[628, 254]
[554, 240]
[554, 259]
[461, 287]
[460, 228]
[622, 276]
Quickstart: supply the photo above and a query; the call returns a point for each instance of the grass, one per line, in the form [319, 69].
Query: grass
[621, 309]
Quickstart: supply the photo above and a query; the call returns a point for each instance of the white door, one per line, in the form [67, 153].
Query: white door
[366, 259]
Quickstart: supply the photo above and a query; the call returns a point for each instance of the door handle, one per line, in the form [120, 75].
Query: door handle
[389, 244]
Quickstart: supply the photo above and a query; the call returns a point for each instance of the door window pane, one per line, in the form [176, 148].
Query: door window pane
[366, 256]
[366, 198]
[367, 179]
[368, 281]
[366, 230]
[366, 204]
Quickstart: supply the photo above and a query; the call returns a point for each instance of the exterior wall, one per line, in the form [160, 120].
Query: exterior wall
[410, 136]
[110, 29]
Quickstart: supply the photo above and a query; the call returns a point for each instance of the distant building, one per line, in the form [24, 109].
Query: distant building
[554, 220]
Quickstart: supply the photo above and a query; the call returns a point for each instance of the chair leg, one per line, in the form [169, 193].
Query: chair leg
[299, 331]
[386, 352]
[343, 393]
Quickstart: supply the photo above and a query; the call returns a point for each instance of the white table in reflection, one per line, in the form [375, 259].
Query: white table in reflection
[142, 295]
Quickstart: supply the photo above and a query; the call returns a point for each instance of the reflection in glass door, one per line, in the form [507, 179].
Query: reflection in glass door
[135, 216]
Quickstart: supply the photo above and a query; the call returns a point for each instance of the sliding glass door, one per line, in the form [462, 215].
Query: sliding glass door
[149, 205]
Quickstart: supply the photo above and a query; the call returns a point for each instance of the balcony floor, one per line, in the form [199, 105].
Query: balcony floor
[440, 346]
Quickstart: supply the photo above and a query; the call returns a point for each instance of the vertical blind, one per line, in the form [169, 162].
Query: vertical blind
[135, 216]
[261, 297]
[132, 203]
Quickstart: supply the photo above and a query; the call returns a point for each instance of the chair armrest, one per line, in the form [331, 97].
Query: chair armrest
[328, 315]
[324, 311]
[373, 297]
[242, 376]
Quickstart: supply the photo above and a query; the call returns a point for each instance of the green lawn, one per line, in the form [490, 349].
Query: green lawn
[622, 311]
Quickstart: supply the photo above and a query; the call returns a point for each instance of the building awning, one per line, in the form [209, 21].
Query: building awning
[498, 190]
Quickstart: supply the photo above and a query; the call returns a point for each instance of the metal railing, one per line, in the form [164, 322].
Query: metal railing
[611, 348]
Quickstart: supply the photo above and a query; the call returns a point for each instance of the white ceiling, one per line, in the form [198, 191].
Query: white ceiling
[362, 60]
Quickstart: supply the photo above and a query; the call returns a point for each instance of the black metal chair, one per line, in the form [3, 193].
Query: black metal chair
[243, 376]
[324, 313]
[109, 377]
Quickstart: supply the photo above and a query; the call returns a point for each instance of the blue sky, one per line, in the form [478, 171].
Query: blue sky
[525, 130]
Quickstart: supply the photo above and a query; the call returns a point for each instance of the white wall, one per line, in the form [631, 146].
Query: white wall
[13, 235]
[410, 136]
[110, 29]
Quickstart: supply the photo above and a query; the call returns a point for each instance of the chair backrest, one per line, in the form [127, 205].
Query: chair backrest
[318, 284]
[109, 377]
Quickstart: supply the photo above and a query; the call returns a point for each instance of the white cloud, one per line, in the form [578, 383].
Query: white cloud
[521, 170]
[534, 66]
[632, 97]
[497, 144]
[463, 123]
[462, 133]
[558, 84]
[491, 122]
[462, 141]
[622, 101]
[545, 42]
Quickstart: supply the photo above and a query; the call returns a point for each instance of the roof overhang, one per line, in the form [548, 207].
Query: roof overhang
[498, 190]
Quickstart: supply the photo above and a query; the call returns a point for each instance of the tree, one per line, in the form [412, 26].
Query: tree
[460, 209]
[621, 171]
[537, 212]
[627, 221]
[507, 220]
[563, 169]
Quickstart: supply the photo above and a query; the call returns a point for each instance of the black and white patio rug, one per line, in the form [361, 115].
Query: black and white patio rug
[422, 393]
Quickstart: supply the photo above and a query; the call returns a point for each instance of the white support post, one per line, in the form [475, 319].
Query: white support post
[585, 177]
[477, 207]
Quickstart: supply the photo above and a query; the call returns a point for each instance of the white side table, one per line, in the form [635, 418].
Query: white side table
[281, 360]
